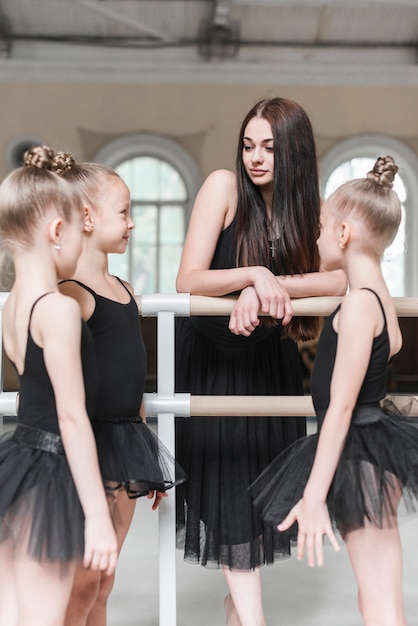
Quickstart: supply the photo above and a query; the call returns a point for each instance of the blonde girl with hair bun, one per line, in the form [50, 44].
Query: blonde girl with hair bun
[53, 508]
[352, 474]
[133, 462]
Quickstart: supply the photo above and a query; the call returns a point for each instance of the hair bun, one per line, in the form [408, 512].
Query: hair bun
[63, 162]
[40, 157]
[384, 171]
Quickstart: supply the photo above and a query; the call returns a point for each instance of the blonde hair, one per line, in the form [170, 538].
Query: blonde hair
[373, 200]
[87, 176]
[29, 193]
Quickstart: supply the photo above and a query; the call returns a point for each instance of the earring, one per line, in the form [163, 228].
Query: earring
[342, 245]
[57, 246]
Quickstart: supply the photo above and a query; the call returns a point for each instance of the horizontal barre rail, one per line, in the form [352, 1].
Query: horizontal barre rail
[186, 405]
[406, 404]
[183, 304]
[255, 406]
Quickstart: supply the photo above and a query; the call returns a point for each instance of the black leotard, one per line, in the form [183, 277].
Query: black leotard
[130, 454]
[37, 491]
[380, 453]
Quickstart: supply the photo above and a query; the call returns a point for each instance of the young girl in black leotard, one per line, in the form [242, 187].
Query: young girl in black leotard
[53, 508]
[364, 459]
[133, 461]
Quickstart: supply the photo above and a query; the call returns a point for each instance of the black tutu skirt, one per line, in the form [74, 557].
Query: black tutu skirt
[377, 470]
[133, 458]
[39, 504]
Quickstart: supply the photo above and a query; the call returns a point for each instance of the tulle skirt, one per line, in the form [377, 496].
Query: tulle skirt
[133, 458]
[216, 523]
[377, 470]
[39, 506]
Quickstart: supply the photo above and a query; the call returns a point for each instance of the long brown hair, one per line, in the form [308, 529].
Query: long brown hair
[295, 202]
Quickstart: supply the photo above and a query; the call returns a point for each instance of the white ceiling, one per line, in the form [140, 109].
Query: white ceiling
[296, 41]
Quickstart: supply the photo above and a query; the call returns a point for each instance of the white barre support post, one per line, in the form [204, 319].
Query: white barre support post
[167, 509]
[3, 409]
[166, 307]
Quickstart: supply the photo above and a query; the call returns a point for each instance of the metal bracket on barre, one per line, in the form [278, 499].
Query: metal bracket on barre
[179, 404]
[8, 403]
[3, 297]
[154, 303]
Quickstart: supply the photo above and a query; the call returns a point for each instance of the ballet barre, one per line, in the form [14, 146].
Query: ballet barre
[185, 304]
[166, 405]
[187, 405]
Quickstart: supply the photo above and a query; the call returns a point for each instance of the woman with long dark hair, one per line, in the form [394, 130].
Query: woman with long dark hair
[252, 233]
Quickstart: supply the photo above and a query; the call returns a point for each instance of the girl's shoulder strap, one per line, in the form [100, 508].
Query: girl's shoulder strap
[86, 287]
[33, 306]
[379, 301]
[124, 286]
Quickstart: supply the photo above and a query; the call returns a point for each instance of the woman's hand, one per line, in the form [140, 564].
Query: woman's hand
[313, 522]
[266, 295]
[244, 315]
[274, 299]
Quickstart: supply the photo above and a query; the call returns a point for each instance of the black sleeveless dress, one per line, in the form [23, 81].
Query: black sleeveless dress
[130, 455]
[380, 455]
[216, 524]
[39, 503]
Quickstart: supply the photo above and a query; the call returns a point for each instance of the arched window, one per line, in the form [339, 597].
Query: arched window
[163, 180]
[353, 158]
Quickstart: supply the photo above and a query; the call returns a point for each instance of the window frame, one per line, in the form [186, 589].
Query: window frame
[147, 144]
[158, 147]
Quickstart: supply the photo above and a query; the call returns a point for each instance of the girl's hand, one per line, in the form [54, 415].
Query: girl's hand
[101, 546]
[314, 522]
[159, 495]
[244, 316]
[274, 299]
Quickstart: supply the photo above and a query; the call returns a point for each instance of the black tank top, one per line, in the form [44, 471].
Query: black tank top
[216, 328]
[37, 407]
[121, 356]
[373, 388]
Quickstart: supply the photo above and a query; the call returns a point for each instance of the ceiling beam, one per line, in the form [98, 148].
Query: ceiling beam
[135, 25]
[6, 34]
